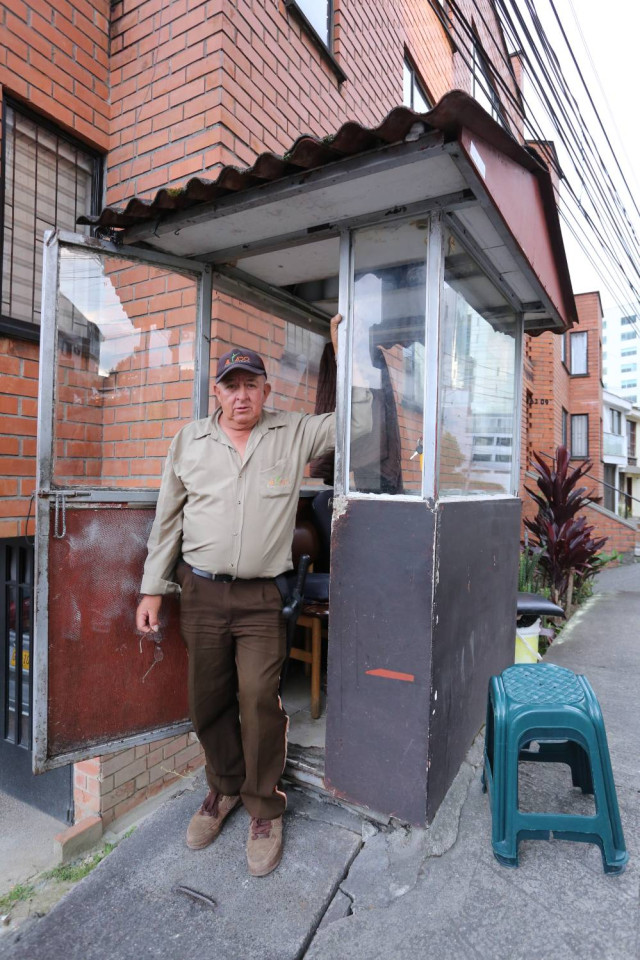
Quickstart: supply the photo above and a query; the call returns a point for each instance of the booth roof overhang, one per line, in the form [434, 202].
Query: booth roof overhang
[274, 227]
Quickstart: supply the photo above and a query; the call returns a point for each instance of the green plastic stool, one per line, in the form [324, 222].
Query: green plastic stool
[557, 709]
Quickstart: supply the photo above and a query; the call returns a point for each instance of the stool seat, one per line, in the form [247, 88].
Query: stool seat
[557, 709]
[541, 683]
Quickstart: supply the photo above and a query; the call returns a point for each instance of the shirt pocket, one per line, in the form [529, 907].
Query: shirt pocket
[278, 479]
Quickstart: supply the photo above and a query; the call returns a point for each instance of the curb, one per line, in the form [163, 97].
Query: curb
[77, 839]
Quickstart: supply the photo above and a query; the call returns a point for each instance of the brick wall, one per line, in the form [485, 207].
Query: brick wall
[621, 536]
[551, 388]
[112, 785]
[586, 392]
[54, 57]
[18, 409]
[201, 84]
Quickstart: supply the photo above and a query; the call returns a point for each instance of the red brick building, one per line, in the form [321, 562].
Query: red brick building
[104, 102]
[563, 404]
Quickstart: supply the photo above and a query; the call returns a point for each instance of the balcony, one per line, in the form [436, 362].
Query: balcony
[614, 445]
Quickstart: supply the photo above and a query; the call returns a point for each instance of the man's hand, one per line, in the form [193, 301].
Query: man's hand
[147, 613]
[333, 326]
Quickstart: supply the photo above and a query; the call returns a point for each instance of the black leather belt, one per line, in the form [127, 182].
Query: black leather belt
[219, 577]
[222, 577]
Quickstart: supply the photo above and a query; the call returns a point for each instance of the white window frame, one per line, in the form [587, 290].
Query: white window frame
[579, 455]
[411, 84]
[584, 339]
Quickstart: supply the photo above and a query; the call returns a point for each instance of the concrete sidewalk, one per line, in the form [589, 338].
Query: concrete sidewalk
[349, 889]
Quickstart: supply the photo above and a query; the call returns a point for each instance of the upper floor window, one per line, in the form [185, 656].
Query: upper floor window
[628, 335]
[629, 352]
[413, 93]
[563, 348]
[316, 18]
[616, 422]
[319, 15]
[49, 181]
[627, 321]
[482, 86]
[579, 435]
[578, 353]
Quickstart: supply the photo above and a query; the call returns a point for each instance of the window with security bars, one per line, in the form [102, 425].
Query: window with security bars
[48, 180]
[16, 686]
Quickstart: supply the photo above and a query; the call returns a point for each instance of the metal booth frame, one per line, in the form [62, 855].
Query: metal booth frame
[193, 232]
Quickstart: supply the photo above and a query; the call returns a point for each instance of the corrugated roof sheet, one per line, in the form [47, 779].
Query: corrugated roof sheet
[454, 111]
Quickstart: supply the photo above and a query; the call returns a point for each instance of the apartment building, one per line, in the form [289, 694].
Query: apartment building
[565, 403]
[620, 339]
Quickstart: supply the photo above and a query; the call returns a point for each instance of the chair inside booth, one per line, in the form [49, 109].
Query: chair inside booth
[304, 688]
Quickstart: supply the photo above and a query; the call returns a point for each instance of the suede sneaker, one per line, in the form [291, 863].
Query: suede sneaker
[205, 825]
[264, 846]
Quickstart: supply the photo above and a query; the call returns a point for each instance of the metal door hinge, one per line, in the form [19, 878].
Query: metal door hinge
[60, 498]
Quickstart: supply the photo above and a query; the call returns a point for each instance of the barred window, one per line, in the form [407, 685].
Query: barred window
[49, 180]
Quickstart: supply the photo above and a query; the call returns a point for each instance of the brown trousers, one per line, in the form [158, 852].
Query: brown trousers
[235, 636]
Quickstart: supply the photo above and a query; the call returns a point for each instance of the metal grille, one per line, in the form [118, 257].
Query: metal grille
[49, 180]
[16, 573]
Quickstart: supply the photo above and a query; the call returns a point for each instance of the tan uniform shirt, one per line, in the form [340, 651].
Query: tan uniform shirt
[232, 515]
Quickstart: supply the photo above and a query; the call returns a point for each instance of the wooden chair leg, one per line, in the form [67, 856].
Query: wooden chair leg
[316, 662]
[307, 646]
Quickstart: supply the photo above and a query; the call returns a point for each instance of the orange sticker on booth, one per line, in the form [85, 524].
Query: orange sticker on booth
[391, 674]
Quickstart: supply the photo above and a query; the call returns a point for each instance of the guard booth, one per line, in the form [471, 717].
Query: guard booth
[437, 238]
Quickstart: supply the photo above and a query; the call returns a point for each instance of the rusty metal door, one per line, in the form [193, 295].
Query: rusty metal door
[124, 363]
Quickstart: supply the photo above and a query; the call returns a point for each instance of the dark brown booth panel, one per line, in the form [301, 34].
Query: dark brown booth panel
[380, 655]
[474, 623]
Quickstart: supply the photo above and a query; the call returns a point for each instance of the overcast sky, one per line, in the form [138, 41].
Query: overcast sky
[610, 31]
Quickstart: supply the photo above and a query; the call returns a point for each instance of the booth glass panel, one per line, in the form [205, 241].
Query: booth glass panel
[388, 356]
[124, 369]
[477, 381]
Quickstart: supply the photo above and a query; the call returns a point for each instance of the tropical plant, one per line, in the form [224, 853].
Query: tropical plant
[529, 577]
[564, 544]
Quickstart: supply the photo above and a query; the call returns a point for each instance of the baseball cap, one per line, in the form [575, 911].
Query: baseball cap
[239, 360]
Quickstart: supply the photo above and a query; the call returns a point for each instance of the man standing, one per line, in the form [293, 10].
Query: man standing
[226, 513]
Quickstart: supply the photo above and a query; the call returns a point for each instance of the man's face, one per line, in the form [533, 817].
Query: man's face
[242, 395]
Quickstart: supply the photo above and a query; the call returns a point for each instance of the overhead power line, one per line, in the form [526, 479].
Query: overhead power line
[592, 206]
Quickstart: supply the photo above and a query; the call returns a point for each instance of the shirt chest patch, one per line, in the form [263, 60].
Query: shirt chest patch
[277, 479]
